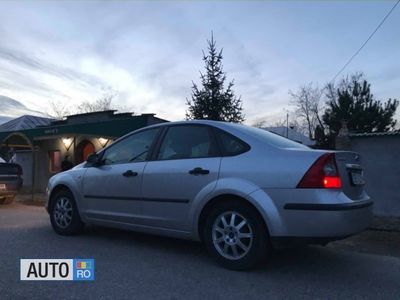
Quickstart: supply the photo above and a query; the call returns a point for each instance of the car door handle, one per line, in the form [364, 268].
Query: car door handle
[199, 171]
[129, 173]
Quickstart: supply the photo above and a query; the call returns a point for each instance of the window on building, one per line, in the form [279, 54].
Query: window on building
[55, 161]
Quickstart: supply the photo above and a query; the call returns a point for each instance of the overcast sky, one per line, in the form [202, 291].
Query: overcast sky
[149, 52]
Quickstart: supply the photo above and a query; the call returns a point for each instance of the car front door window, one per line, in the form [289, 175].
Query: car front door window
[133, 148]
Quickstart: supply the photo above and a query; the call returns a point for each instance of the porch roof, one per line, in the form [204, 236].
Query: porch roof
[114, 127]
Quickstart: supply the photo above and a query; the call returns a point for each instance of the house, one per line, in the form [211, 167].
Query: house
[41, 144]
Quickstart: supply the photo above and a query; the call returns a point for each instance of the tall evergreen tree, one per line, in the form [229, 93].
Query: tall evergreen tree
[354, 103]
[212, 101]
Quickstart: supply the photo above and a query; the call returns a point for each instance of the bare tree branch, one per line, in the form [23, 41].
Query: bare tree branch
[101, 104]
[306, 101]
[58, 109]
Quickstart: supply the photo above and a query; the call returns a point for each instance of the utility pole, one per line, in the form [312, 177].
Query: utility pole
[287, 124]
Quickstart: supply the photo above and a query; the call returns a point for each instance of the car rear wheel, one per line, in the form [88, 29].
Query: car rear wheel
[64, 215]
[236, 235]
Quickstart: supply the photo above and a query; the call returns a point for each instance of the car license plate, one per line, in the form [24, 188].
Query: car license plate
[357, 178]
[2, 187]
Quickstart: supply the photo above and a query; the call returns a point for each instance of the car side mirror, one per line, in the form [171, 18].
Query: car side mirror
[93, 160]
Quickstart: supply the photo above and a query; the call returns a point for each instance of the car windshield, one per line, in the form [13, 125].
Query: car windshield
[272, 138]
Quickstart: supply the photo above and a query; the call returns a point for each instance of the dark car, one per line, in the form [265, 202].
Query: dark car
[10, 181]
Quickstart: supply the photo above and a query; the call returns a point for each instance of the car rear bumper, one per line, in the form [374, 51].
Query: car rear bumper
[313, 215]
[323, 223]
[11, 187]
[329, 206]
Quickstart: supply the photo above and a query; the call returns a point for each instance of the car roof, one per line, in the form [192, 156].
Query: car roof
[246, 133]
[241, 131]
[220, 124]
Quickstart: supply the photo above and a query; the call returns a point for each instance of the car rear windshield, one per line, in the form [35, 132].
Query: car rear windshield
[273, 139]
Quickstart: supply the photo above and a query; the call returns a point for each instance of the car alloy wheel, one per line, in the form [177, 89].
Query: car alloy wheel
[232, 235]
[235, 235]
[63, 212]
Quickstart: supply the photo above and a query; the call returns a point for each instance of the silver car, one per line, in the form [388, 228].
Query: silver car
[239, 189]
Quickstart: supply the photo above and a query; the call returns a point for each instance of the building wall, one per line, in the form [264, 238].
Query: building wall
[24, 159]
[381, 161]
[42, 139]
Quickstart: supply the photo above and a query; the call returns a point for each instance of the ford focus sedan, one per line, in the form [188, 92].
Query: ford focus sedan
[238, 189]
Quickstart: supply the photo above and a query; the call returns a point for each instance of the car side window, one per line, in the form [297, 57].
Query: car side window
[133, 148]
[231, 145]
[187, 142]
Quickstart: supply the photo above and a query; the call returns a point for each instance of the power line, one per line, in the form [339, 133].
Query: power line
[363, 45]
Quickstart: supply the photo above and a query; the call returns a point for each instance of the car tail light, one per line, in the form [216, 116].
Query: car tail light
[322, 174]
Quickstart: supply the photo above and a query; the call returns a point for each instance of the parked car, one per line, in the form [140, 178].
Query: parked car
[238, 189]
[10, 181]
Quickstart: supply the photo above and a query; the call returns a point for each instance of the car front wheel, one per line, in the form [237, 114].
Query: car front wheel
[236, 235]
[64, 215]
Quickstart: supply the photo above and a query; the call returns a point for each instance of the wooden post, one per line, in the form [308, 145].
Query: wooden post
[33, 171]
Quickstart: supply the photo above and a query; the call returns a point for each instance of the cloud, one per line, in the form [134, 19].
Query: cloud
[387, 74]
[30, 62]
[25, 81]
[149, 52]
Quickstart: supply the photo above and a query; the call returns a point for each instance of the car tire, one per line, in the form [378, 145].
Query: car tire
[64, 214]
[239, 245]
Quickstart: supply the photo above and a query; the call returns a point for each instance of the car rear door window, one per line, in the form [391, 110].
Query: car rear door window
[182, 142]
[133, 148]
